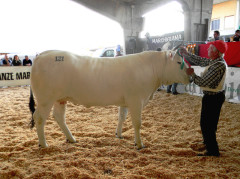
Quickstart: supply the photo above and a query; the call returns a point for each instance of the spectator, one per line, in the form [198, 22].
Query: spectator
[16, 61]
[118, 54]
[216, 36]
[235, 37]
[172, 89]
[118, 50]
[212, 84]
[27, 61]
[6, 61]
[159, 49]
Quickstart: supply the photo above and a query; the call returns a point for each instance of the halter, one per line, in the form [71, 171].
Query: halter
[187, 64]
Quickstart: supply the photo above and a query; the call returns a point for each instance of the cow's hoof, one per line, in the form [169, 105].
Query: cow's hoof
[139, 148]
[68, 141]
[121, 137]
[42, 146]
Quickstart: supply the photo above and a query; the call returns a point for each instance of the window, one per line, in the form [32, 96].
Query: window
[229, 22]
[215, 24]
[109, 53]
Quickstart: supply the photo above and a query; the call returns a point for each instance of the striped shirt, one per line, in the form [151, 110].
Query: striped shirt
[213, 76]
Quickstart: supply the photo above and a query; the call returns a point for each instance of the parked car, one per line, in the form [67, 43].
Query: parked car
[106, 52]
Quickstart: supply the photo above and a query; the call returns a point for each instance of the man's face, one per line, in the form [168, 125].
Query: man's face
[210, 50]
[237, 34]
[215, 35]
[213, 54]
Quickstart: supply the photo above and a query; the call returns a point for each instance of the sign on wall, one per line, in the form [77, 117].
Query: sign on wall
[14, 76]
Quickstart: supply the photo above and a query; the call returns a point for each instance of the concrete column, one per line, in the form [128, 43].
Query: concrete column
[132, 39]
[187, 26]
[197, 15]
[132, 23]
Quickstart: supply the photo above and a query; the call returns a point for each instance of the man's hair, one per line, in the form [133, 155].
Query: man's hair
[217, 32]
[237, 31]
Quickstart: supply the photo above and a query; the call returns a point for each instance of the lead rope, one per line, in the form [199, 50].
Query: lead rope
[183, 62]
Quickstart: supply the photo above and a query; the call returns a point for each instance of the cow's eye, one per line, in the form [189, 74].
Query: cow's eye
[179, 63]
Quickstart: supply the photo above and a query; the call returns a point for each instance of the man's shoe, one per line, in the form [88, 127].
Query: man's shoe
[169, 91]
[206, 154]
[175, 93]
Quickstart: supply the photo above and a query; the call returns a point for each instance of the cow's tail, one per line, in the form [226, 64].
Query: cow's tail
[32, 108]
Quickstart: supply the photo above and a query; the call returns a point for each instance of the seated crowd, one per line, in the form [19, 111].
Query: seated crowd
[15, 61]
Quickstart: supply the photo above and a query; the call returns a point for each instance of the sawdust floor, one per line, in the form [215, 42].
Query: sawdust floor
[170, 127]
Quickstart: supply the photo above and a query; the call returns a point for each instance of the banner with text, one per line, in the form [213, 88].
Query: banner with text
[175, 38]
[14, 76]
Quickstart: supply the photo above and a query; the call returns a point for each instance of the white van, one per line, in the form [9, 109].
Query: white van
[107, 52]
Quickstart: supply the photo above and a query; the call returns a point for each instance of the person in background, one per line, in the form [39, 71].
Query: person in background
[159, 49]
[16, 61]
[118, 54]
[118, 50]
[216, 36]
[235, 37]
[6, 61]
[212, 83]
[172, 89]
[27, 61]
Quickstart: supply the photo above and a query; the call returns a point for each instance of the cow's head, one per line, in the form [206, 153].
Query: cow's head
[176, 68]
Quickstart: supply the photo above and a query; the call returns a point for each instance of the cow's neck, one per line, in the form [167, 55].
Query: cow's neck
[164, 73]
[159, 69]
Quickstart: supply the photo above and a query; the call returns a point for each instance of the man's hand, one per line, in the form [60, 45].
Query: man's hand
[182, 50]
[190, 71]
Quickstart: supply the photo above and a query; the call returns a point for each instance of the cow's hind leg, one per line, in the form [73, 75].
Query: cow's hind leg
[122, 114]
[135, 111]
[40, 116]
[59, 115]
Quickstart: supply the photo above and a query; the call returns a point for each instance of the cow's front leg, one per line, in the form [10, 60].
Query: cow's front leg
[135, 112]
[122, 114]
[59, 116]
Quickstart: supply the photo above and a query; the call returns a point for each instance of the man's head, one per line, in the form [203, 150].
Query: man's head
[16, 57]
[217, 49]
[237, 33]
[216, 35]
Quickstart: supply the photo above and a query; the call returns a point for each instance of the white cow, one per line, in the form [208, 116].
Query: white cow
[127, 81]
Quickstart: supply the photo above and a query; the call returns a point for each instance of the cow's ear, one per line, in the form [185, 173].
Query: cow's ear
[170, 55]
